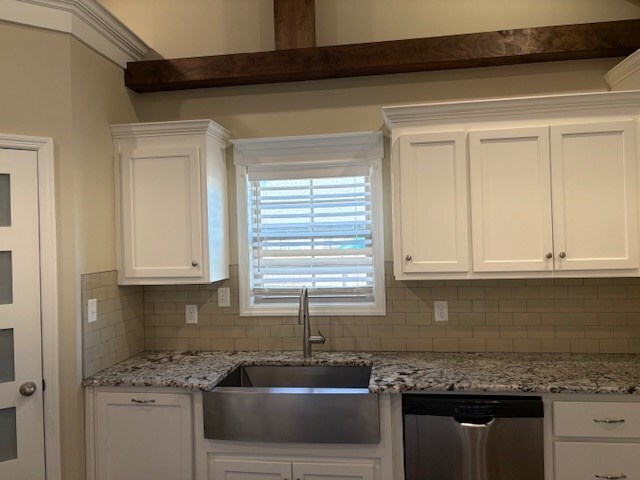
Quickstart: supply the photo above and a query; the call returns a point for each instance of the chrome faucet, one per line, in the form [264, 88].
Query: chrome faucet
[303, 316]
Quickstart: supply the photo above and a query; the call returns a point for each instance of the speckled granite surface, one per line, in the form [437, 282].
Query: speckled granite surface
[396, 372]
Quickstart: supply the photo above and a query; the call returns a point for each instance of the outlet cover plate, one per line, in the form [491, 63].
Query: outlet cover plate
[224, 297]
[92, 310]
[441, 311]
[191, 314]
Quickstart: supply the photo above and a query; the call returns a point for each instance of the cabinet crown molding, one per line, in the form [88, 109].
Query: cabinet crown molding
[86, 20]
[181, 127]
[629, 66]
[505, 108]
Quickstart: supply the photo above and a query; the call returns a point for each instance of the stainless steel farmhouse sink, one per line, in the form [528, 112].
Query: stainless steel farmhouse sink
[309, 404]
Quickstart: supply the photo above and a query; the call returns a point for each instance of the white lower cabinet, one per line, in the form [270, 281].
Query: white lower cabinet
[255, 469]
[597, 440]
[143, 436]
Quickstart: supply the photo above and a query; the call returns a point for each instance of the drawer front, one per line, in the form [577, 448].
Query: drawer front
[580, 461]
[597, 419]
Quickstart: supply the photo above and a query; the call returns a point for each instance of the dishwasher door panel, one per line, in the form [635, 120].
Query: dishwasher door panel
[443, 448]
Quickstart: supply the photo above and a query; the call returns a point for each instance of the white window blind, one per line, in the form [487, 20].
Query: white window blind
[310, 227]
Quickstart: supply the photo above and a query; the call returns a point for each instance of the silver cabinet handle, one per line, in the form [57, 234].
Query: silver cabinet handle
[549, 255]
[562, 255]
[607, 420]
[611, 477]
[27, 389]
[135, 400]
[408, 258]
[194, 264]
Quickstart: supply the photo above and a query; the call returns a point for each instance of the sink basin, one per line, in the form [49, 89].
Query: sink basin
[300, 404]
[283, 376]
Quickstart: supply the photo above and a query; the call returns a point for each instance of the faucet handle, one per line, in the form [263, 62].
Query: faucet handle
[317, 339]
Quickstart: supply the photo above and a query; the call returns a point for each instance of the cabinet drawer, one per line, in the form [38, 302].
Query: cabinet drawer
[579, 461]
[597, 419]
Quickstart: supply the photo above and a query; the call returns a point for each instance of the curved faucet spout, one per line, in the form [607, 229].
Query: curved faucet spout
[303, 317]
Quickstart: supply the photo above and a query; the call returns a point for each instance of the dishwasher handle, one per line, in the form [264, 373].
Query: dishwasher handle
[475, 422]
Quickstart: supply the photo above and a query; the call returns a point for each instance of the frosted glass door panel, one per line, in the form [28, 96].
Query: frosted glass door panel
[433, 198]
[6, 278]
[594, 196]
[5, 200]
[510, 200]
[8, 435]
[7, 368]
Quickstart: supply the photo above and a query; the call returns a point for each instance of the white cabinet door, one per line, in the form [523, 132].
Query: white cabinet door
[594, 196]
[143, 436]
[241, 469]
[161, 212]
[580, 461]
[333, 471]
[510, 200]
[433, 203]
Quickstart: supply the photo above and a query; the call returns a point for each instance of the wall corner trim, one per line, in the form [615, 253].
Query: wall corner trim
[86, 20]
[626, 68]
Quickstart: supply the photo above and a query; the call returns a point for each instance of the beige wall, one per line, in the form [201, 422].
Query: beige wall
[54, 86]
[214, 27]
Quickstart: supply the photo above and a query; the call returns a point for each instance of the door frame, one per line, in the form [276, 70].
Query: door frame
[48, 292]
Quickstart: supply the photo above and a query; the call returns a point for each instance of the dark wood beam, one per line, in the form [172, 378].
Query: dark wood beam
[295, 23]
[506, 47]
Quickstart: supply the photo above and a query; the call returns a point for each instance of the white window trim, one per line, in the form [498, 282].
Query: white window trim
[316, 150]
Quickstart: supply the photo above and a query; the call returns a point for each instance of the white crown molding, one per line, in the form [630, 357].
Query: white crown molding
[181, 127]
[508, 107]
[86, 20]
[356, 146]
[629, 66]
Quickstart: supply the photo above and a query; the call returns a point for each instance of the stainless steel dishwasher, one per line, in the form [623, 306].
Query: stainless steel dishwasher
[473, 437]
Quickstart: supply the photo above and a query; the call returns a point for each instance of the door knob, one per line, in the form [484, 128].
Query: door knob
[27, 389]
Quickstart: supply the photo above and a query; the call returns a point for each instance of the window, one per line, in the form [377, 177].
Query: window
[310, 215]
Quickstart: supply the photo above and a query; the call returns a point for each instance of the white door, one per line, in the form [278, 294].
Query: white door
[21, 406]
[433, 202]
[242, 469]
[333, 471]
[161, 212]
[511, 200]
[593, 171]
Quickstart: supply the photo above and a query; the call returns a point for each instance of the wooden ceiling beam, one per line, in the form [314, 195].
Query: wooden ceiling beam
[506, 47]
[295, 23]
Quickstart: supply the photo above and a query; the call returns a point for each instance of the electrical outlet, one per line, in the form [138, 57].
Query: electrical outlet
[191, 314]
[224, 297]
[93, 310]
[441, 311]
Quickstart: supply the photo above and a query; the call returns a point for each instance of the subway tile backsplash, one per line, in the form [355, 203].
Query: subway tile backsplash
[533, 315]
[118, 332]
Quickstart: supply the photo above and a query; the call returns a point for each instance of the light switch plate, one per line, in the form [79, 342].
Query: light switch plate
[92, 310]
[441, 311]
[191, 314]
[224, 297]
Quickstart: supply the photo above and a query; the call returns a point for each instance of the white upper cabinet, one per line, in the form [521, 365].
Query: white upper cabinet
[510, 200]
[171, 202]
[433, 199]
[595, 219]
[547, 187]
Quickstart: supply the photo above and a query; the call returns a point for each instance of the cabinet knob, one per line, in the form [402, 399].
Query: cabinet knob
[194, 264]
[549, 255]
[562, 255]
[408, 258]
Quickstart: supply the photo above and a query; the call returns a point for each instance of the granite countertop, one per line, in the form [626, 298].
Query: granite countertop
[396, 372]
